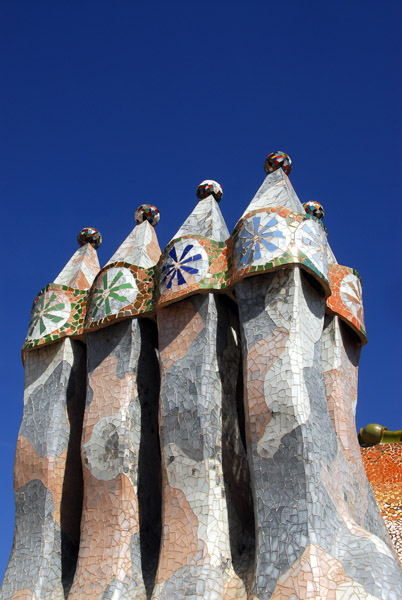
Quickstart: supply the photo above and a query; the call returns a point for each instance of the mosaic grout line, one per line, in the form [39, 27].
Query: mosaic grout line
[189, 418]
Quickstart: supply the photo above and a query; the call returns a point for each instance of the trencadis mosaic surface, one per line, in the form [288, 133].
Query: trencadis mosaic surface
[189, 416]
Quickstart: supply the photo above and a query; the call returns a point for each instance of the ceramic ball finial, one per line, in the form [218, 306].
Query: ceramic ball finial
[147, 212]
[278, 160]
[314, 208]
[89, 235]
[372, 434]
[209, 187]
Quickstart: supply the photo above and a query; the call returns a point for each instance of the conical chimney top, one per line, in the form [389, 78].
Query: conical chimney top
[83, 266]
[206, 219]
[141, 247]
[276, 189]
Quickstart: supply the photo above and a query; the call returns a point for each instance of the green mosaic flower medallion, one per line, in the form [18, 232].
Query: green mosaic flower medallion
[50, 312]
[113, 290]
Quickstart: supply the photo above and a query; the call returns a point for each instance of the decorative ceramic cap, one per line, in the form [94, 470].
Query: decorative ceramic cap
[147, 212]
[374, 434]
[208, 188]
[89, 235]
[275, 160]
[371, 434]
[314, 208]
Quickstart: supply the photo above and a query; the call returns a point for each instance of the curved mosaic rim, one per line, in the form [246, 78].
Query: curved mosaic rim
[285, 238]
[346, 298]
[263, 240]
[190, 264]
[193, 263]
[60, 306]
[113, 297]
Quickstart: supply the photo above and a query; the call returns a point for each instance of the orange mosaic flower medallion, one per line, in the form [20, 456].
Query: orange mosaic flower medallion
[346, 298]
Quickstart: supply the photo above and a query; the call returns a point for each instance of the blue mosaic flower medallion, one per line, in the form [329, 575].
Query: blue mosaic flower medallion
[113, 289]
[185, 263]
[311, 239]
[262, 238]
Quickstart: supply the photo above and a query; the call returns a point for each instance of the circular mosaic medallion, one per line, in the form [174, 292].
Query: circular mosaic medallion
[262, 238]
[311, 239]
[352, 296]
[113, 290]
[50, 312]
[184, 264]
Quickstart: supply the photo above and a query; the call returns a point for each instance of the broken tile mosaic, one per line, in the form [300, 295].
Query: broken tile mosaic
[346, 298]
[147, 212]
[188, 429]
[383, 464]
[208, 187]
[90, 235]
[314, 208]
[278, 160]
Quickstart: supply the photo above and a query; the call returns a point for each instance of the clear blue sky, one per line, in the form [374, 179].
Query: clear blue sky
[106, 105]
